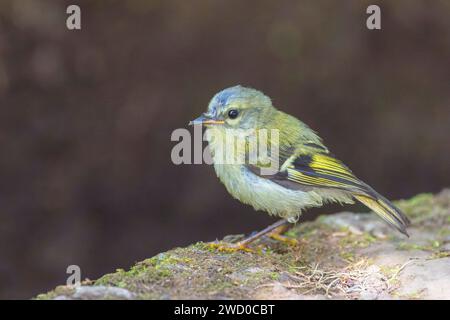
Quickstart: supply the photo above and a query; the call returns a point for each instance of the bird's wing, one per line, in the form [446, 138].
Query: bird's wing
[313, 166]
[322, 170]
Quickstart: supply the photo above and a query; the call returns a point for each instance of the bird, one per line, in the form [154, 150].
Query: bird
[305, 175]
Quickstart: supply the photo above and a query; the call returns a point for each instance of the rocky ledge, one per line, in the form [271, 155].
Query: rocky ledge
[341, 256]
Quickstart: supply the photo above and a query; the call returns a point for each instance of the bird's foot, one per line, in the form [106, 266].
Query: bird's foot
[277, 236]
[229, 247]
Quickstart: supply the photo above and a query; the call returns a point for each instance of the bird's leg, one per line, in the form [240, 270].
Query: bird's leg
[281, 224]
[243, 244]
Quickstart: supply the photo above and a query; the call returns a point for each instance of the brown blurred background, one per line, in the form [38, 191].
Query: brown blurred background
[86, 116]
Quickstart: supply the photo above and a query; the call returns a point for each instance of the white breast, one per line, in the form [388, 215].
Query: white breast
[263, 194]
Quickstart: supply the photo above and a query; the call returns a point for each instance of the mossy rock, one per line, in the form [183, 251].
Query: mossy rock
[341, 256]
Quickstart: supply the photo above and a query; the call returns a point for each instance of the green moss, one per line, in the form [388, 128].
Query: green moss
[444, 232]
[357, 241]
[155, 269]
[417, 206]
[440, 254]
[433, 247]
[412, 246]
[310, 229]
[292, 233]
[348, 256]
[59, 291]
[218, 286]
[435, 244]
[274, 276]
[389, 271]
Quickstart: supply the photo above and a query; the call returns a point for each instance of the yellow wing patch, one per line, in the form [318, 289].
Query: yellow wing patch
[328, 165]
[322, 171]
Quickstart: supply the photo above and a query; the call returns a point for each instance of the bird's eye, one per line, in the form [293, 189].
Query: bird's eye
[233, 113]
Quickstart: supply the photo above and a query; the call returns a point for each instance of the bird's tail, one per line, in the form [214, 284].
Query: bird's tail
[386, 210]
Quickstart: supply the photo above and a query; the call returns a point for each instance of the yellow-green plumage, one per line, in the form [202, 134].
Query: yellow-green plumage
[307, 175]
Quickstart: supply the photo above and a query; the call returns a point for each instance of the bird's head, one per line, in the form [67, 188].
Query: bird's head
[237, 108]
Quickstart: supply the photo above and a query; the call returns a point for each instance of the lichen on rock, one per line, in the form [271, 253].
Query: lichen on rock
[341, 256]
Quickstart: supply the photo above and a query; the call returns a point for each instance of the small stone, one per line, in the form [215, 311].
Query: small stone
[355, 230]
[379, 234]
[102, 292]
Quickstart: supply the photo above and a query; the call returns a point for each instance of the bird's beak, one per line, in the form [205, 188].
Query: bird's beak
[205, 120]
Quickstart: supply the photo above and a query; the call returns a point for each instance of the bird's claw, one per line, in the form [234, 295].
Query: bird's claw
[289, 241]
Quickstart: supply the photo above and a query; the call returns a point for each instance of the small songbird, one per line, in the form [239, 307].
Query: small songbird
[306, 175]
